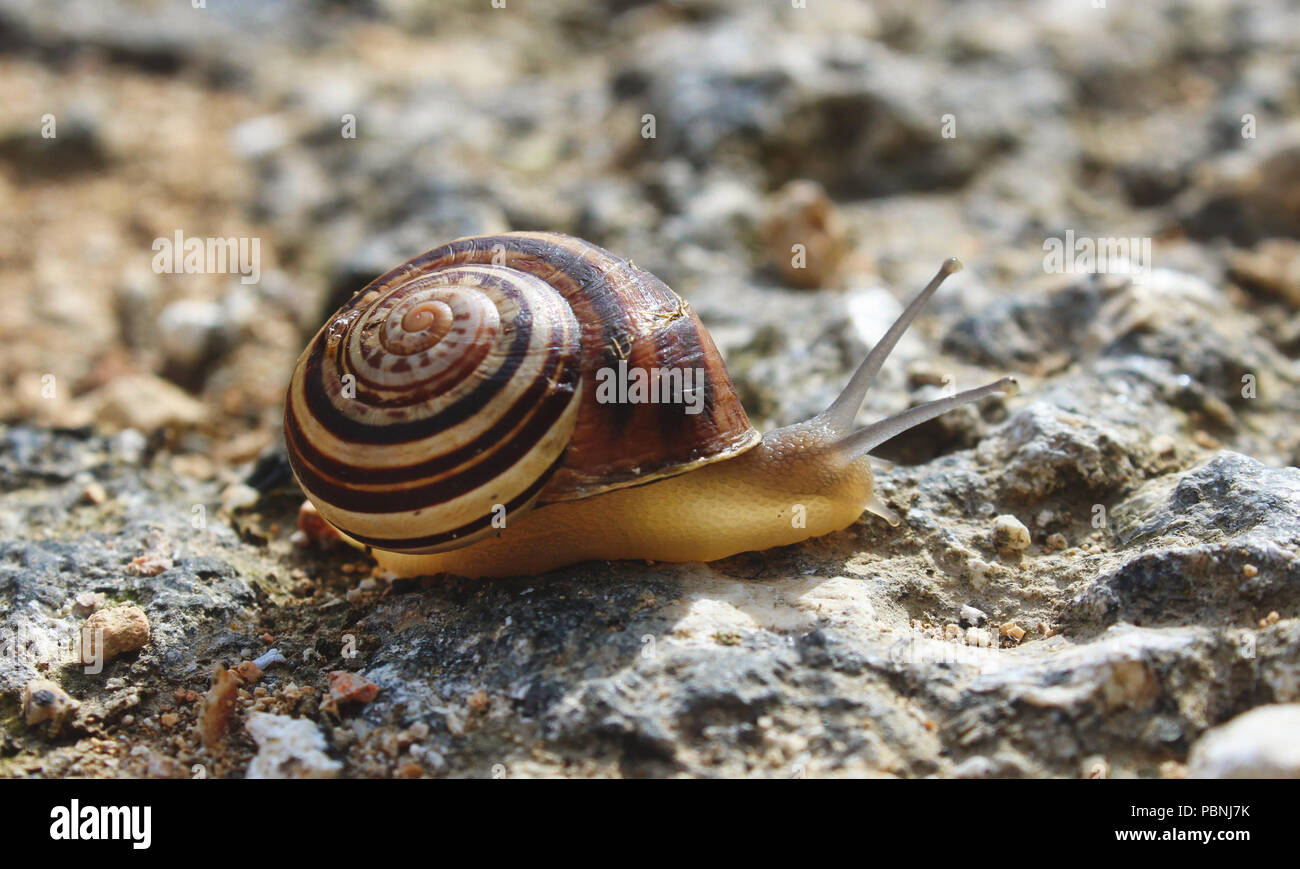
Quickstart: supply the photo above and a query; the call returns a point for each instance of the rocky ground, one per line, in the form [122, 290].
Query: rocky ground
[1098, 577]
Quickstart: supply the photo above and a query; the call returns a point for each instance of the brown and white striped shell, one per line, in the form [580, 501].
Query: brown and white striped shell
[460, 386]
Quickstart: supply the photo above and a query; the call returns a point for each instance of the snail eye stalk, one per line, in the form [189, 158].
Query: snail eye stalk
[863, 441]
[844, 409]
[838, 418]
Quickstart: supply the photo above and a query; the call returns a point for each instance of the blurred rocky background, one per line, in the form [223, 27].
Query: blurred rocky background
[1100, 577]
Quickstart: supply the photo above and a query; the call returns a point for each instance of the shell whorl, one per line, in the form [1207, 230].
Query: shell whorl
[428, 401]
[456, 390]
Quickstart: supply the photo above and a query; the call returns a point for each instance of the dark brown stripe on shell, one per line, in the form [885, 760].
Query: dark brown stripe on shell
[495, 458]
[416, 544]
[492, 465]
[558, 377]
[344, 427]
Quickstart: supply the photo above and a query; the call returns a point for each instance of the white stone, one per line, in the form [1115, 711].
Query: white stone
[1010, 534]
[288, 748]
[1261, 743]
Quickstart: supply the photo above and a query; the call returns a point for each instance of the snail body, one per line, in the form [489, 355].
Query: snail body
[771, 495]
[450, 418]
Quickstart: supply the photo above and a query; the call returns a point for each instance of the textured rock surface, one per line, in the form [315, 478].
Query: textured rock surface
[1102, 573]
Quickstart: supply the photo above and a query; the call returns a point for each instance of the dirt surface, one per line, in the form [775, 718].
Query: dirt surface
[1093, 578]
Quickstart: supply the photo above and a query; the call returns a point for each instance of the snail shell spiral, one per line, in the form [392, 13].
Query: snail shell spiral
[458, 389]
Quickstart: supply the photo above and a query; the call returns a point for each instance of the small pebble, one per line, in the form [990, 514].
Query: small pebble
[346, 686]
[1250, 570]
[239, 496]
[218, 704]
[801, 213]
[87, 602]
[129, 446]
[1163, 445]
[1013, 630]
[269, 657]
[150, 564]
[288, 748]
[44, 700]
[972, 617]
[979, 570]
[190, 333]
[124, 629]
[1206, 440]
[1010, 536]
[247, 672]
[146, 402]
[94, 493]
[193, 465]
[313, 529]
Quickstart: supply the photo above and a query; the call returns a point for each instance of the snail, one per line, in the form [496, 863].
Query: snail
[457, 415]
